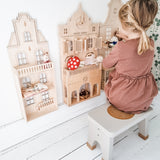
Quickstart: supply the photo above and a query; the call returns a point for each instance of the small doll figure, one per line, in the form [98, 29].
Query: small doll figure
[46, 58]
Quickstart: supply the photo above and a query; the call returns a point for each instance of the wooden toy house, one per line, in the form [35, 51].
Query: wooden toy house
[34, 72]
[80, 38]
[107, 30]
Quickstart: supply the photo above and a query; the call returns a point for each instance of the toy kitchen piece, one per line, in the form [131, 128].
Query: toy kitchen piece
[32, 68]
[81, 69]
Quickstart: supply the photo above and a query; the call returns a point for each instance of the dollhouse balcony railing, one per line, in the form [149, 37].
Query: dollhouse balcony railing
[44, 104]
[83, 69]
[33, 69]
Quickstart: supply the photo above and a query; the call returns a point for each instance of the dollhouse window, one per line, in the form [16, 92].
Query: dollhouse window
[93, 29]
[65, 30]
[90, 42]
[39, 56]
[115, 11]
[78, 46]
[26, 82]
[43, 78]
[27, 36]
[29, 101]
[70, 44]
[22, 58]
[45, 96]
[108, 33]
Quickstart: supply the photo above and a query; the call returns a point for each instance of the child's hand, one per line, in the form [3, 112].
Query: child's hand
[121, 36]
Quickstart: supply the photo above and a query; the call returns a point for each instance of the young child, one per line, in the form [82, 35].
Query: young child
[131, 86]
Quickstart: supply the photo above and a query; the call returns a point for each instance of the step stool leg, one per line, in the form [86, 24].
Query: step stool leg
[91, 136]
[143, 129]
[107, 147]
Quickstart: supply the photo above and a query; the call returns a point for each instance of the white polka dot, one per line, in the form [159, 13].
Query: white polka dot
[71, 62]
[77, 60]
[71, 66]
[68, 64]
[75, 66]
[74, 63]
[74, 59]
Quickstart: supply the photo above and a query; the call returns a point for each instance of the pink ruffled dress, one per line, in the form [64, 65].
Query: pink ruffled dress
[131, 86]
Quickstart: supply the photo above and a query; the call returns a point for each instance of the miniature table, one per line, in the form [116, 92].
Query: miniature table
[103, 128]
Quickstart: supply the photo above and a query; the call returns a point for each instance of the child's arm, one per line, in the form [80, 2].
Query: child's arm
[112, 59]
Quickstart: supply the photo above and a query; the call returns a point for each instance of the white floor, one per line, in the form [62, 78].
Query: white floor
[68, 142]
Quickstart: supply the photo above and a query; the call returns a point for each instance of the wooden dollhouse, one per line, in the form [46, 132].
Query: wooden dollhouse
[33, 71]
[79, 38]
[107, 31]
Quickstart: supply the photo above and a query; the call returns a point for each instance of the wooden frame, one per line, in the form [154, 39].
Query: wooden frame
[78, 38]
[27, 68]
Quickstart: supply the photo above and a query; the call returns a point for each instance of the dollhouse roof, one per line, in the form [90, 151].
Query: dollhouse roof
[113, 11]
[79, 21]
[25, 18]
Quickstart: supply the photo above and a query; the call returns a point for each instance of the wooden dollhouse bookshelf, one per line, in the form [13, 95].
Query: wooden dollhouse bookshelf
[107, 30]
[79, 37]
[32, 68]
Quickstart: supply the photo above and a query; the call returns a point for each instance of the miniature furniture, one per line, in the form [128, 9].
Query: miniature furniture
[33, 70]
[80, 38]
[103, 128]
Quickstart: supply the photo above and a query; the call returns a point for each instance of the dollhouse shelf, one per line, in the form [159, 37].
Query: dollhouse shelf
[84, 69]
[33, 69]
[30, 94]
[29, 55]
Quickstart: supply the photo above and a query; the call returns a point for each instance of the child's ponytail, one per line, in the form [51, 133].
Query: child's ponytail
[144, 42]
[138, 16]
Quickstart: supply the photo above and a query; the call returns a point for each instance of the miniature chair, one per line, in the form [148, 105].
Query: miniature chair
[103, 128]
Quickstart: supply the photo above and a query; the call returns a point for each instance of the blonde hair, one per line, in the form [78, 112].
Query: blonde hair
[138, 15]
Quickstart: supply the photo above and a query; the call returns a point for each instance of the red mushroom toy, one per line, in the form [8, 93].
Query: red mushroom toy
[73, 63]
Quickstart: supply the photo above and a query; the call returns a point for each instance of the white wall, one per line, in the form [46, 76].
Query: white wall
[49, 13]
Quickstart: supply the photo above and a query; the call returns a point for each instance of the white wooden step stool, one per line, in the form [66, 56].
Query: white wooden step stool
[103, 128]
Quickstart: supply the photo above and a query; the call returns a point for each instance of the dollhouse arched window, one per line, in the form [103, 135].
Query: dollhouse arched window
[90, 42]
[22, 58]
[39, 56]
[30, 101]
[45, 96]
[27, 36]
[26, 82]
[43, 78]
